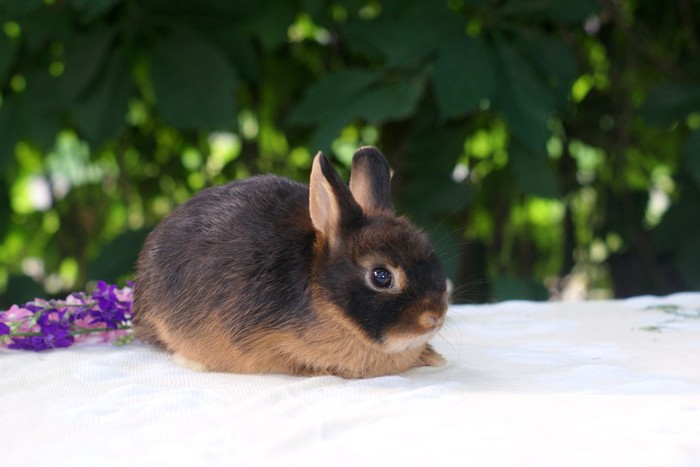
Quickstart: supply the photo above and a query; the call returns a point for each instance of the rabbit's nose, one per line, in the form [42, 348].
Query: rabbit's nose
[430, 320]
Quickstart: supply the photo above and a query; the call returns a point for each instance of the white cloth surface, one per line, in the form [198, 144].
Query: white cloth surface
[606, 383]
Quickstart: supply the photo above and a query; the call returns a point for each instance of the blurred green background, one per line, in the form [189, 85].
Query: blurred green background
[549, 148]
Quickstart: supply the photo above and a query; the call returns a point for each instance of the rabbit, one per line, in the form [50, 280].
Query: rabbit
[267, 275]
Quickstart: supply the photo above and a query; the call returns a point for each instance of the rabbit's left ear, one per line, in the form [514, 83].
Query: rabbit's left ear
[369, 180]
[332, 207]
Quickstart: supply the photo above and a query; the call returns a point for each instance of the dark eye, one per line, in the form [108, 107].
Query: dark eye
[381, 278]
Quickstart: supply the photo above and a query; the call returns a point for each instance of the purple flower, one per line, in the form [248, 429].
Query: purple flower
[104, 314]
[111, 310]
[53, 336]
[57, 335]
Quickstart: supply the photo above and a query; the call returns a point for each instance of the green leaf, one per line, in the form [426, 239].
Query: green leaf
[85, 56]
[571, 11]
[376, 104]
[46, 25]
[21, 7]
[389, 100]
[20, 289]
[8, 50]
[430, 158]
[407, 39]
[671, 102]
[532, 171]
[100, 114]
[91, 9]
[118, 257]
[33, 114]
[193, 82]
[555, 62]
[239, 50]
[315, 8]
[431, 197]
[9, 134]
[523, 98]
[5, 209]
[332, 94]
[464, 75]
[270, 23]
[324, 134]
[691, 157]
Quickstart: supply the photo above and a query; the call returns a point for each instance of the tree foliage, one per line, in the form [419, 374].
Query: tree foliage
[535, 141]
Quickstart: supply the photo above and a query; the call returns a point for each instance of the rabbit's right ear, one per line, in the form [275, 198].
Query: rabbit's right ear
[370, 179]
[332, 208]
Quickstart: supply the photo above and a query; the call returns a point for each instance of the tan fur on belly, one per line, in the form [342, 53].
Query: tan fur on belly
[333, 345]
[326, 349]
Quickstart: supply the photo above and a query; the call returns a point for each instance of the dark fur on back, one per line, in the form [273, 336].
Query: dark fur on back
[226, 259]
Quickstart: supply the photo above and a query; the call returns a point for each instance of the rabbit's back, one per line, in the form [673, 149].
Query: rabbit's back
[238, 254]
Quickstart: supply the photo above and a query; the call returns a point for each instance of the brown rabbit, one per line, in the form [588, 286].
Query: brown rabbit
[266, 275]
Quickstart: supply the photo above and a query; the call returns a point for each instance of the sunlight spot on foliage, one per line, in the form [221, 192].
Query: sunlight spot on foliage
[613, 242]
[138, 112]
[272, 142]
[31, 194]
[248, 124]
[160, 206]
[369, 135]
[224, 147]
[33, 267]
[658, 204]
[51, 222]
[304, 29]
[592, 25]
[196, 181]
[53, 283]
[693, 121]
[545, 212]
[68, 272]
[39, 193]
[598, 251]
[460, 173]
[554, 147]
[474, 27]
[12, 29]
[370, 11]
[18, 83]
[339, 13]
[70, 165]
[581, 87]
[660, 191]
[588, 159]
[352, 137]
[300, 157]
[56, 68]
[191, 159]
[344, 150]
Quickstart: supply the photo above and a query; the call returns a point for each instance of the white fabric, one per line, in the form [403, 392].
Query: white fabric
[543, 384]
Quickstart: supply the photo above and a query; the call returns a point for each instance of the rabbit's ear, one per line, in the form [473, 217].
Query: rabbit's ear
[333, 209]
[370, 178]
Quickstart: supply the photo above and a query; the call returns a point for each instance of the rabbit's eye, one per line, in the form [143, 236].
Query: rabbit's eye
[381, 278]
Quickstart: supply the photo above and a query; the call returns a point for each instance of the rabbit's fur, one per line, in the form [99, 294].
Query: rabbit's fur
[266, 275]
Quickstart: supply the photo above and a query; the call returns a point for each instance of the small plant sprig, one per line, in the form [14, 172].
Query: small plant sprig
[102, 316]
